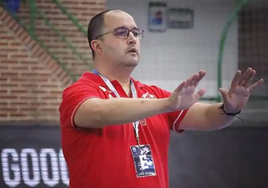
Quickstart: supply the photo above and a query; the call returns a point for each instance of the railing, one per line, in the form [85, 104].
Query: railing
[240, 4]
[231, 19]
[34, 12]
[70, 16]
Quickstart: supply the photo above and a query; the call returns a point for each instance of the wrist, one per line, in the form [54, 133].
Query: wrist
[167, 105]
[229, 112]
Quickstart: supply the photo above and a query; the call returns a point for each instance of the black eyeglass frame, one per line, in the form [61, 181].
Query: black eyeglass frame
[115, 32]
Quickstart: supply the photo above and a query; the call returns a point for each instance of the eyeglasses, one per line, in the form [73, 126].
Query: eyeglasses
[123, 33]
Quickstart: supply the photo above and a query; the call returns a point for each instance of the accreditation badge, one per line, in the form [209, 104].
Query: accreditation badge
[143, 160]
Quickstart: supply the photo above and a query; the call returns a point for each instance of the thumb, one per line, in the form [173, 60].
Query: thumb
[199, 94]
[224, 94]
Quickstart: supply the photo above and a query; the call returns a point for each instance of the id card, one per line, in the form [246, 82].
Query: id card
[143, 160]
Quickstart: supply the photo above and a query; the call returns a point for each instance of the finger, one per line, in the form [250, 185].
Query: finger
[245, 77]
[201, 76]
[203, 73]
[224, 94]
[180, 87]
[199, 94]
[257, 84]
[195, 79]
[249, 80]
[192, 79]
[236, 79]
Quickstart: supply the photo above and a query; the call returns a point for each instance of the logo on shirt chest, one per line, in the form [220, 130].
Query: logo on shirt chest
[106, 91]
[143, 122]
[148, 96]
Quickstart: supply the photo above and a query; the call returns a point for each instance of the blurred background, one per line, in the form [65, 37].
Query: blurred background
[44, 48]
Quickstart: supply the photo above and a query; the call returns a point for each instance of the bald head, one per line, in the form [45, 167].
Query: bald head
[117, 14]
[118, 18]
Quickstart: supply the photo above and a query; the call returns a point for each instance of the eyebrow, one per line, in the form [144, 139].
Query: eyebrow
[121, 27]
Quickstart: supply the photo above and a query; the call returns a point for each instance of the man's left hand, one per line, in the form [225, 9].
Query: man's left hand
[241, 87]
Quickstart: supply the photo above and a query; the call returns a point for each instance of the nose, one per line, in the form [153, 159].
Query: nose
[131, 39]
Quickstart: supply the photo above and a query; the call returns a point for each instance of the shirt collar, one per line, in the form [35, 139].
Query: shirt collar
[98, 80]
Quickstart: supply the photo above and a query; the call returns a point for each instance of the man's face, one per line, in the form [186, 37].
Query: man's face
[116, 48]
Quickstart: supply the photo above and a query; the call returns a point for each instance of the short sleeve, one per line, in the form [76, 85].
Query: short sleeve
[175, 117]
[72, 98]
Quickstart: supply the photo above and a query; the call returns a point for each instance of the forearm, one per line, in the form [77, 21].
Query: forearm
[216, 118]
[98, 113]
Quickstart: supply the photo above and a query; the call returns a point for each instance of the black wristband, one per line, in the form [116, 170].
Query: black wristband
[229, 114]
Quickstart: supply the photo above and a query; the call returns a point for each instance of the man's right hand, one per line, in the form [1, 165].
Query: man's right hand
[184, 96]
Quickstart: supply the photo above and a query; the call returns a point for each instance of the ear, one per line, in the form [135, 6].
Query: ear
[96, 46]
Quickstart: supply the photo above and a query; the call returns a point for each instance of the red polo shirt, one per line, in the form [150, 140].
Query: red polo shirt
[101, 158]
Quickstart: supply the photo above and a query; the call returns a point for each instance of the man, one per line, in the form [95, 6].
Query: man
[158, 19]
[115, 130]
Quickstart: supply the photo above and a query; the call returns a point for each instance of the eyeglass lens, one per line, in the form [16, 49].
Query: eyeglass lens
[124, 33]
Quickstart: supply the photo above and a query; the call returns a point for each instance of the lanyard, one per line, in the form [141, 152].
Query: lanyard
[134, 95]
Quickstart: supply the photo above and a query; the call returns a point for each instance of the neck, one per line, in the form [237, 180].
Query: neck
[121, 75]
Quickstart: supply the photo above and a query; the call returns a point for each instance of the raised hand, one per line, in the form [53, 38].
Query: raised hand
[184, 95]
[236, 98]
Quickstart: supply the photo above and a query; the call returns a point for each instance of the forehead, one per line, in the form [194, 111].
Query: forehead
[116, 19]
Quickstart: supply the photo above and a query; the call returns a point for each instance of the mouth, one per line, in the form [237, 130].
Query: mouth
[133, 50]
